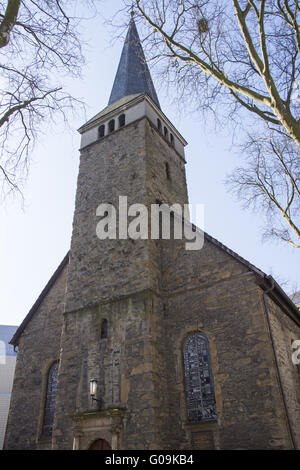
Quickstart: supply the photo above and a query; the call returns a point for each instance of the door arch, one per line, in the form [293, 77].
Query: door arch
[100, 444]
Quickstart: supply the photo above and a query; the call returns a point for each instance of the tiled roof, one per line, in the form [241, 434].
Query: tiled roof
[133, 75]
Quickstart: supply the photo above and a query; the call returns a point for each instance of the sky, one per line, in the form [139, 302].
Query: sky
[36, 235]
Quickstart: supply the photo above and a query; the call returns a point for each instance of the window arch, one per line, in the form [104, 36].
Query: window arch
[121, 120]
[101, 131]
[159, 124]
[199, 386]
[166, 133]
[172, 140]
[111, 125]
[50, 400]
[103, 333]
[294, 350]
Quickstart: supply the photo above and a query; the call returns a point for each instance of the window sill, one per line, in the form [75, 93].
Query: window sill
[201, 426]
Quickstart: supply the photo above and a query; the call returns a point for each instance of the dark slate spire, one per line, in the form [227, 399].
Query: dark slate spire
[133, 75]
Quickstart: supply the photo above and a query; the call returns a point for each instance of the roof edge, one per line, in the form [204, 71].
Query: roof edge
[265, 281]
[277, 294]
[32, 311]
[95, 121]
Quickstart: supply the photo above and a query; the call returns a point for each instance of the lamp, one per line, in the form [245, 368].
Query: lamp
[93, 390]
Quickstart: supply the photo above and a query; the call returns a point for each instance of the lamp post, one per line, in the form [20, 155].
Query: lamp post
[93, 391]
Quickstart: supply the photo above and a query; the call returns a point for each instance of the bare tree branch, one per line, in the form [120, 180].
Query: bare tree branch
[232, 50]
[270, 183]
[8, 21]
[236, 59]
[40, 43]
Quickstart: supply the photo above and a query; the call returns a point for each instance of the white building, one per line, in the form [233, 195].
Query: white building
[7, 369]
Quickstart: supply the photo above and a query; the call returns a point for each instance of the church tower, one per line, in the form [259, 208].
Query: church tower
[139, 343]
[129, 150]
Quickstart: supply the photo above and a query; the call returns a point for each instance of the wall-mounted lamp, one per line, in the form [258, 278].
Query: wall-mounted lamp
[93, 391]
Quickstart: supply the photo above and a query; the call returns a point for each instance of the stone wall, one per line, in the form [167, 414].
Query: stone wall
[39, 347]
[284, 332]
[129, 162]
[122, 364]
[211, 292]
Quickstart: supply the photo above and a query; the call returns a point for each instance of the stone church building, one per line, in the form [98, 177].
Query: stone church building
[141, 343]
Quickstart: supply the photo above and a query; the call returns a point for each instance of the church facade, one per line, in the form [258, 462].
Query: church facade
[141, 343]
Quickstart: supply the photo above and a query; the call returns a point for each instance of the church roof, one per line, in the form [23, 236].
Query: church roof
[133, 75]
[266, 282]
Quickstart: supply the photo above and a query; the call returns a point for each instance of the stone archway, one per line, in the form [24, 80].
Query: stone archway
[100, 444]
[90, 425]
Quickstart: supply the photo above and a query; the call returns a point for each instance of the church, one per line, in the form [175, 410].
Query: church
[141, 343]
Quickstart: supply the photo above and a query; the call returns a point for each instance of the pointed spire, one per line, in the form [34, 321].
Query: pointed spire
[133, 75]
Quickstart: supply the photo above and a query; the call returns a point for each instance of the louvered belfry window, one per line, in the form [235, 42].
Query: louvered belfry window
[50, 400]
[199, 386]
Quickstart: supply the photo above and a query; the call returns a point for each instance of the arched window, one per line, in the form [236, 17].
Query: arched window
[159, 125]
[111, 125]
[172, 140]
[199, 386]
[101, 131]
[50, 400]
[103, 333]
[295, 351]
[165, 132]
[122, 120]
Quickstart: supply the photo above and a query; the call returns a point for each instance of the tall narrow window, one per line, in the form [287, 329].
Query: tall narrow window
[172, 140]
[101, 131]
[111, 125]
[199, 387]
[122, 120]
[159, 125]
[103, 333]
[50, 400]
[166, 132]
[294, 349]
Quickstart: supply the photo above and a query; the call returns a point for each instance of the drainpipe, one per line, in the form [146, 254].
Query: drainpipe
[265, 293]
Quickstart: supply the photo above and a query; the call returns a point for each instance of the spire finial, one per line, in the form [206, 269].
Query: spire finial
[132, 11]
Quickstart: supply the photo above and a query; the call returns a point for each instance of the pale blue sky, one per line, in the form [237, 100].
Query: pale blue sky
[34, 240]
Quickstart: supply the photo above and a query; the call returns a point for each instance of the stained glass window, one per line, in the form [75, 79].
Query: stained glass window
[199, 386]
[50, 400]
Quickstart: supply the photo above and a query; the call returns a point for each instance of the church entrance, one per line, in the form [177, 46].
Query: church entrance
[100, 444]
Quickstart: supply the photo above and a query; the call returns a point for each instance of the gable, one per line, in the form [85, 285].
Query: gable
[213, 263]
[56, 279]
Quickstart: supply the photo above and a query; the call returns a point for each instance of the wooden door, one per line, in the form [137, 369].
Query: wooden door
[100, 444]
